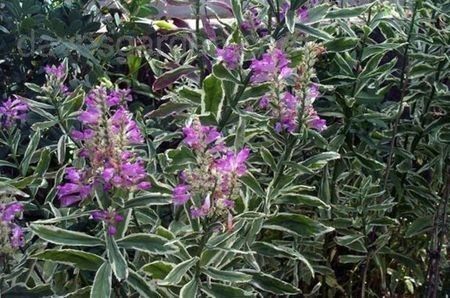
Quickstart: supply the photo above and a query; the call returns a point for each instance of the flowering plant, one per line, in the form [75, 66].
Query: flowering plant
[295, 148]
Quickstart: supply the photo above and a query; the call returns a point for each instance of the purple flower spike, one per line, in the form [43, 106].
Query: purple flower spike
[264, 102]
[203, 210]
[198, 136]
[288, 113]
[180, 194]
[234, 163]
[77, 189]
[10, 211]
[110, 218]
[272, 66]
[12, 110]
[17, 237]
[58, 72]
[230, 55]
[303, 14]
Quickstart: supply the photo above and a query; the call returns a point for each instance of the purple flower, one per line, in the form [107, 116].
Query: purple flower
[58, 72]
[77, 189]
[17, 236]
[180, 194]
[90, 116]
[317, 124]
[272, 66]
[12, 110]
[230, 55]
[9, 212]
[116, 97]
[198, 136]
[234, 163]
[252, 20]
[284, 9]
[303, 14]
[312, 93]
[203, 210]
[127, 174]
[123, 127]
[288, 113]
[110, 218]
[264, 102]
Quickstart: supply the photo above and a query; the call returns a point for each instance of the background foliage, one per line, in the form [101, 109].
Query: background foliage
[360, 209]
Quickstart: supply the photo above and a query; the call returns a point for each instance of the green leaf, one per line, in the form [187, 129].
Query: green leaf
[80, 259]
[149, 243]
[268, 157]
[419, 226]
[64, 237]
[31, 148]
[168, 109]
[273, 285]
[251, 182]
[352, 12]
[34, 87]
[149, 199]
[297, 224]
[229, 276]
[301, 199]
[212, 99]
[370, 163]
[255, 92]
[116, 259]
[190, 94]
[237, 10]
[44, 162]
[189, 290]
[158, 269]
[61, 149]
[102, 282]
[341, 44]
[144, 288]
[318, 161]
[177, 273]
[314, 32]
[221, 72]
[349, 259]
[271, 250]
[171, 76]
[217, 290]
[291, 16]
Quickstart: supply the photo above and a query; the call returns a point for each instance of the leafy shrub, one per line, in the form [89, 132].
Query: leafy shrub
[302, 148]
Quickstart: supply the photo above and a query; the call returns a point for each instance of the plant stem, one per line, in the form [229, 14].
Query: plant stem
[439, 236]
[224, 121]
[402, 86]
[199, 41]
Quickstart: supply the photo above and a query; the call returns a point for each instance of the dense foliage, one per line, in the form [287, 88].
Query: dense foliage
[299, 148]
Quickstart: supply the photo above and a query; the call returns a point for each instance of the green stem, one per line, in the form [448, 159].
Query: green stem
[199, 41]
[224, 121]
[403, 87]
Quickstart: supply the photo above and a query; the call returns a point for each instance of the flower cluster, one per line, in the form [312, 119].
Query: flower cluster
[213, 182]
[9, 229]
[107, 133]
[57, 72]
[253, 23]
[110, 218]
[230, 55]
[12, 110]
[272, 67]
[56, 75]
[302, 12]
[289, 107]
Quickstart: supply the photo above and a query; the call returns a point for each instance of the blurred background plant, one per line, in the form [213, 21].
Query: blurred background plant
[344, 112]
